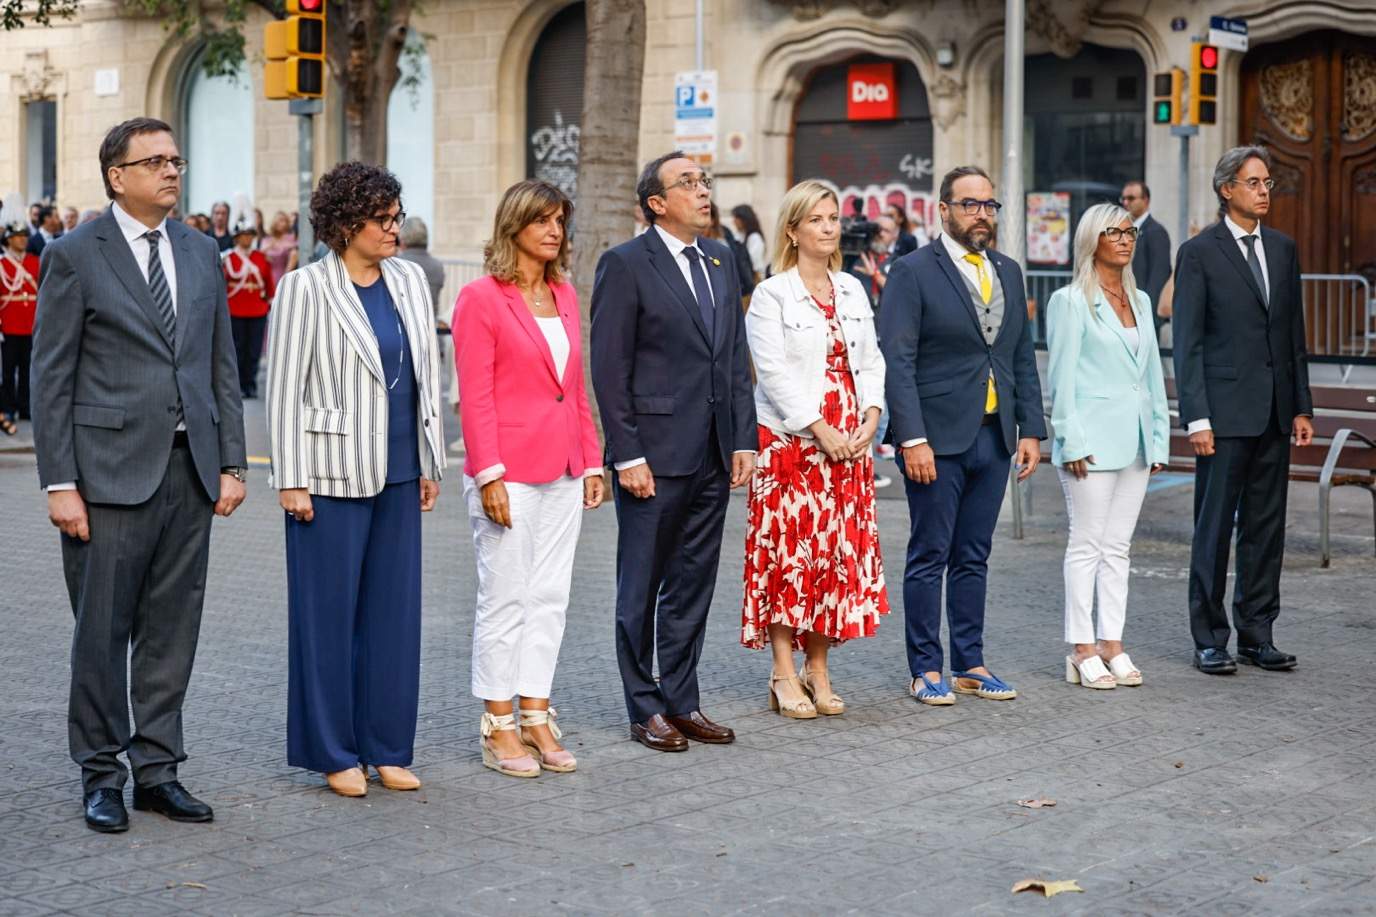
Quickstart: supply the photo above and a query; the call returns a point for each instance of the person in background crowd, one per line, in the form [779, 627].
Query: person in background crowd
[744, 268]
[917, 225]
[250, 285]
[872, 267]
[70, 219]
[279, 245]
[357, 451]
[813, 571]
[1151, 260]
[748, 231]
[49, 228]
[219, 226]
[672, 375]
[534, 465]
[260, 229]
[88, 215]
[905, 241]
[1112, 431]
[1243, 376]
[139, 435]
[34, 208]
[963, 399]
[18, 301]
[415, 247]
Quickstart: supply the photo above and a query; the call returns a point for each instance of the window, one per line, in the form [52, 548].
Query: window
[41, 150]
[411, 131]
[217, 138]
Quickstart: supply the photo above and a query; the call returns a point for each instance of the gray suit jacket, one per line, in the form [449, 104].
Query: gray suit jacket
[105, 379]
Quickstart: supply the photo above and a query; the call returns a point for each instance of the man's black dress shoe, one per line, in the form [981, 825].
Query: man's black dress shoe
[171, 799]
[1266, 656]
[1214, 661]
[656, 733]
[105, 810]
[696, 726]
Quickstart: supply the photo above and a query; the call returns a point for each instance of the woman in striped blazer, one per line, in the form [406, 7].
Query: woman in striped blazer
[357, 451]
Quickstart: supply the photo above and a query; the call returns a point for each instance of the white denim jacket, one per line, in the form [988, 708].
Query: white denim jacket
[788, 344]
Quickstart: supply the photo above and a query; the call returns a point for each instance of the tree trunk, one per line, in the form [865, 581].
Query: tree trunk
[365, 42]
[610, 137]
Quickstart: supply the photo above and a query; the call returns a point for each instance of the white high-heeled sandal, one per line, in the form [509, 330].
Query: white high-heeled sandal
[523, 766]
[1124, 672]
[561, 761]
[1090, 673]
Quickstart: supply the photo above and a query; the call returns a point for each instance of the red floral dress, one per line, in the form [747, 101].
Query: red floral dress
[812, 557]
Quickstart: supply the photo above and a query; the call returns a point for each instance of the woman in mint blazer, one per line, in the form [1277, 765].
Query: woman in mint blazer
[1111, 432]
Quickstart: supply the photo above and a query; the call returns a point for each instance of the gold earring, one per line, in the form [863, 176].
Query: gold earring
[794, 241]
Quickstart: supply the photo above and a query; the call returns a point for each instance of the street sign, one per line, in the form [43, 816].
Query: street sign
[695, 114]
[1228, 33]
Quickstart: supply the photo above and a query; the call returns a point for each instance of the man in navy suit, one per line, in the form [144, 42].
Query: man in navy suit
[963, 398]
[1243, 377]
[672, 376]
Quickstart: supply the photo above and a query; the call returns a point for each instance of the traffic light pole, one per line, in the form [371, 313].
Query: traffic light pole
[306, 110]
[1184, 132]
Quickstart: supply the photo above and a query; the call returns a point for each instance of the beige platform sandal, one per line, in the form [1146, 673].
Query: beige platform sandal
[831, 704]
[561, 761]
[522, 766]
[794, 710]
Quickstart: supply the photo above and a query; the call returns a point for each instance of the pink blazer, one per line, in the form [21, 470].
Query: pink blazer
[523, 419]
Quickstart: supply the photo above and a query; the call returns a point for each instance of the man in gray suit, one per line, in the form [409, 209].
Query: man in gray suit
[140, 436]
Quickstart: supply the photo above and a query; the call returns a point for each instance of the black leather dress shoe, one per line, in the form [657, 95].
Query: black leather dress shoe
[1214, 661]
[171, 799]
[656, 733]
[1266, 656]
[105, 810]
[696, 726]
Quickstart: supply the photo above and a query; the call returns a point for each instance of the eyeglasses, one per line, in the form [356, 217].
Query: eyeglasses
[690, 183]
[973, 207]
[1115, 233]
[1254, 184]
[156, 164]
[387, 222]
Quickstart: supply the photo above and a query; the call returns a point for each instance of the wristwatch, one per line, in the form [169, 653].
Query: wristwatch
[240, 474]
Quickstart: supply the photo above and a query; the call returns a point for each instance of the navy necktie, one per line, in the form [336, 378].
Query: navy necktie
[1254, 263]
[701, 290]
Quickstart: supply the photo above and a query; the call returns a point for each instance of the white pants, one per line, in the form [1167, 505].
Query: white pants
[523, 586]
[1103, 510]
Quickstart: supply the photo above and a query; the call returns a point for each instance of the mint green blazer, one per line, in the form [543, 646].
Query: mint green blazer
[1108, 399]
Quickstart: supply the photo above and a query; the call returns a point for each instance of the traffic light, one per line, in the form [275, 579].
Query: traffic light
[1166, 107]
[295, 49]
[1203, 83]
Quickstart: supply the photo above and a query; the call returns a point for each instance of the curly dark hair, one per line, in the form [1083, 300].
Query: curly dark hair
[346, 197]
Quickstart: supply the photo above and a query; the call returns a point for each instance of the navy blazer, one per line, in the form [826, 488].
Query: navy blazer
[1151, 260]
[662, 386]
[1236, 359]
[938, 361]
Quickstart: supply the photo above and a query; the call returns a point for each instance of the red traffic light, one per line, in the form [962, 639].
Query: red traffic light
[1208, 57]
[306, 6]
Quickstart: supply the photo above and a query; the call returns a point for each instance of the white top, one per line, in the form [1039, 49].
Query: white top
[553, 330]
[754, 246]
[133, 234]
[1134, 337]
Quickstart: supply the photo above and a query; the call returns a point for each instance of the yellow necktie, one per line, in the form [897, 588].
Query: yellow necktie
[986, 293]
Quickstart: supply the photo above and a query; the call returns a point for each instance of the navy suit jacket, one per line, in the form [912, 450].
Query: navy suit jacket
[1151, 260]
[662, 385]
[1235, 358]
[938, 361]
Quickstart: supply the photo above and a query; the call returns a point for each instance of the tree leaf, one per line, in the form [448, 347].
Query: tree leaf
[1036, 803]
[1047, 888]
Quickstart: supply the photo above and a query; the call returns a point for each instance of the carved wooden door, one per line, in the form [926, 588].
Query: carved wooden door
[1312, 101]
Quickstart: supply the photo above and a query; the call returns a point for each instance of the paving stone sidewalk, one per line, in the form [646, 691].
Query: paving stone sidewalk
[1249, 794]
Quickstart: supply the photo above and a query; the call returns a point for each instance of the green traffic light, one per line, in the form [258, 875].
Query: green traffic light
[1163, 112]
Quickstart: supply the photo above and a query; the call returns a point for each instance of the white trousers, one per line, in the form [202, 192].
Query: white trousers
[523, 586]
[1103, 509]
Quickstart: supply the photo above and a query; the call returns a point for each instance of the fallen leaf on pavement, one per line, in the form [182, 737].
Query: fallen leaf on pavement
[1036, 803]
[1179, 764]
[1261, 879]
[185, 885]
[1047, 888]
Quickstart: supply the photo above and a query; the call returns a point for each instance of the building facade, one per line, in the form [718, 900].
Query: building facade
[496, 96]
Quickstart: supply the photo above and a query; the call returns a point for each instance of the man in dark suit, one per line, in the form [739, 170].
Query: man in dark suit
[1243, 377]
[672, 376]
[1151, 260]
[139, 435]
[49, 229]
[963, 398]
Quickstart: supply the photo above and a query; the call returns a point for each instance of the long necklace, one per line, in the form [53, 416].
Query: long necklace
[1122, 300]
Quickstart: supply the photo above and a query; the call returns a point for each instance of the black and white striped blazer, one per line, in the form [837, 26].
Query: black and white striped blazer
[327, 398]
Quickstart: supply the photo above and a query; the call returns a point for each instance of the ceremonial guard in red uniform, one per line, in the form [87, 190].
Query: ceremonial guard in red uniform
[18, 300]
[251, 286]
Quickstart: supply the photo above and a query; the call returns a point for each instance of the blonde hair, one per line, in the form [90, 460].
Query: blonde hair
[797, 204]
[522, 204]
[1093, 222]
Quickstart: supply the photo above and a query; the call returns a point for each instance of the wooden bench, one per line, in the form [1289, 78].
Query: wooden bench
[1342, 454]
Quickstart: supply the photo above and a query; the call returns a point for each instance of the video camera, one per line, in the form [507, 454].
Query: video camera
[856, 237]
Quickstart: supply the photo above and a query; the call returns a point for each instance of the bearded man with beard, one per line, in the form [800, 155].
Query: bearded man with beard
[964, 398]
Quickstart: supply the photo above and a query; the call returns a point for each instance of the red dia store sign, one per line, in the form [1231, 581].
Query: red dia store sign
[871, 92]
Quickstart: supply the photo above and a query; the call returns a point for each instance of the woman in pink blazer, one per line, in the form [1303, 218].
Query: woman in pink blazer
[534, 464]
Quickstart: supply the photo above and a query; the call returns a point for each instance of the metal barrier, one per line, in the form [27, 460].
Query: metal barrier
[1040, 285]
[457, 272]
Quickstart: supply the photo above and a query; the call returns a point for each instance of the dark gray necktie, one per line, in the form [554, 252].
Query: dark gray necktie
[1254, 262]
[701, 290]
[157, 285]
